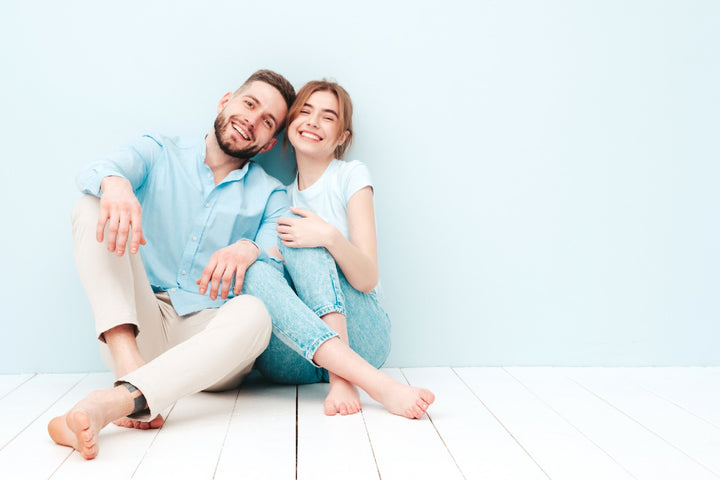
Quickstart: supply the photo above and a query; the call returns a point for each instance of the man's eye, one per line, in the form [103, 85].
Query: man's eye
[248, 103]
[268, 123]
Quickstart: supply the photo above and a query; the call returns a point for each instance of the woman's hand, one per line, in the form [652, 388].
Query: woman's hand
[308, 231]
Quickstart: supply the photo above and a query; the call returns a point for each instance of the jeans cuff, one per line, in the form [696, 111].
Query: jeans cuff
[325, 309]
[310, 352]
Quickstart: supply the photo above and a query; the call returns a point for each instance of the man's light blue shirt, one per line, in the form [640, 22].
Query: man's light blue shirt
[185, 216]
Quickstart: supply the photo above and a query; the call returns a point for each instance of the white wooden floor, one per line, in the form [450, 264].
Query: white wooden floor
[487, 423]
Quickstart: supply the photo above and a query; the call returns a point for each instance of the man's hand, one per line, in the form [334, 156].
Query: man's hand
[308, 231]
[121, 212]
[226, 263]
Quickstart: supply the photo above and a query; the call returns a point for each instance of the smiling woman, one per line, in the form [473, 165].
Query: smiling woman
[337, 217]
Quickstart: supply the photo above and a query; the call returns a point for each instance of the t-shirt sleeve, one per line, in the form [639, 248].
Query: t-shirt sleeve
[357, 176]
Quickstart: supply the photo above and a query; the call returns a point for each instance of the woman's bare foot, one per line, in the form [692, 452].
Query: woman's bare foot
[398, 398]
[79, 428]
[404, 400]
[343, 398]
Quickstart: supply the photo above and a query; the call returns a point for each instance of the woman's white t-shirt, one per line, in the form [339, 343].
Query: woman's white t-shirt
[329, 195]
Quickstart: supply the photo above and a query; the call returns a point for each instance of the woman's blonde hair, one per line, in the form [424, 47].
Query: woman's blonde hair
[344, 106]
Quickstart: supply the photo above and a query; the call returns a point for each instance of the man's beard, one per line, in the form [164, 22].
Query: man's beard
[221, 125]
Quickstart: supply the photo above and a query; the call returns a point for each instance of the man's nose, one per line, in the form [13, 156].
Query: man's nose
[252, 119]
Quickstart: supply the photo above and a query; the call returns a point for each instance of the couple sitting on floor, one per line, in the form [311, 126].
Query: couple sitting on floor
[231, 276]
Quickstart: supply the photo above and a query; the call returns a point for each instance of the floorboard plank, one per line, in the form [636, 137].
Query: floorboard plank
[643, 454]
[343, 441]
[609, 423]
[482, 448]
[260, 441]
[561, 451]
[23, 405]
[406, 448]
[694, 436]
[32, 454]
[695, 389]
[190, 442]
[8, 383]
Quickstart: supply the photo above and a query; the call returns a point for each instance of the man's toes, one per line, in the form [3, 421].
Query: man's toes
[86, 436]
[157, 422]
[427, 396]
[88, 453]
[78, 421]
[121, 422]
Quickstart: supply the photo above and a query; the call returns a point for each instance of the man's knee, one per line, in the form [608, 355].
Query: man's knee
[249, 315]
[86, 210]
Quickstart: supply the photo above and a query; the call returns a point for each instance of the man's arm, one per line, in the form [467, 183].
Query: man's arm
[278, 206]
[114, 179]
[120, 211]
[234, 260]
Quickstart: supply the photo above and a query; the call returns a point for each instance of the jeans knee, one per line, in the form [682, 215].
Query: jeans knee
[259, 277]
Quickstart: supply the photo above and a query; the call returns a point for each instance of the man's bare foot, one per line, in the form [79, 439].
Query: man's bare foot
[79, 428]
[343, 398]
[405, 400]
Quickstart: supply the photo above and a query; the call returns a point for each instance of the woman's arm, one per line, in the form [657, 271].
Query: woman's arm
[357, 257]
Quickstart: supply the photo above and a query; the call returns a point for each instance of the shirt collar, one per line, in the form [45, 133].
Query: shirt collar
[234, 176]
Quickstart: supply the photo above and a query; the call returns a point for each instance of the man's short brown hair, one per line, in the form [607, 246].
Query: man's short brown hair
[274, 80]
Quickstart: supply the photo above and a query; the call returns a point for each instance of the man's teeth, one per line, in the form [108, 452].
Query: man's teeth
[241, 132]
[309, 135]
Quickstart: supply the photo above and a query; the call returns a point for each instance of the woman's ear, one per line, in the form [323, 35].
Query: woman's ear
[343, 137]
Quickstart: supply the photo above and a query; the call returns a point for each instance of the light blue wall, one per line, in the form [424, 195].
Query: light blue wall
[546, 172]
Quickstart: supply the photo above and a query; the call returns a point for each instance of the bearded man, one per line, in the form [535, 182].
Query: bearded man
[173, 321]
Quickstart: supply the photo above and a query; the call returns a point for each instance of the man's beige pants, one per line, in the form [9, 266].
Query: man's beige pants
[213, 349]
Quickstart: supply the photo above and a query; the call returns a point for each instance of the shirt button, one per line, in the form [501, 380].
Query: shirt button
[207, 205]
[194, 239]
[183, 272]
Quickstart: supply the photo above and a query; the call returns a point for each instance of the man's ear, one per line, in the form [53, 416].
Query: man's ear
[223, 101]
[268, 145]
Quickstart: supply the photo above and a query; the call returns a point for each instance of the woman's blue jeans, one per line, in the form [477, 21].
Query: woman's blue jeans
[298, 330]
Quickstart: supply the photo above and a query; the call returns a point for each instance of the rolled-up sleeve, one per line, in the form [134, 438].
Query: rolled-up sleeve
[277, 206]
[132, 162]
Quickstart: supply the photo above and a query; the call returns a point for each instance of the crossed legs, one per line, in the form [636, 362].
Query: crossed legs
[306, 349]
